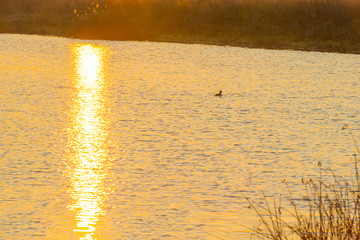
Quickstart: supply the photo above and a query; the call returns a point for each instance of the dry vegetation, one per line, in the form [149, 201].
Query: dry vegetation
[329, 211]
[332, 213]
[330, 25]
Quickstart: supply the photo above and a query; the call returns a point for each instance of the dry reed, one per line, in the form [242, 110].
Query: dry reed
[332, 25]
[332, 211]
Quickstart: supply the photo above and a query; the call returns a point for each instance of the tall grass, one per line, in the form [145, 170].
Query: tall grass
[319, 24]
[332, 210]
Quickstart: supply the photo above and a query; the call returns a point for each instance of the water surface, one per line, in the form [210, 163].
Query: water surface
[126, 140]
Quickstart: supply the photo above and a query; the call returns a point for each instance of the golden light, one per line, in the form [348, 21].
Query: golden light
[88, 162]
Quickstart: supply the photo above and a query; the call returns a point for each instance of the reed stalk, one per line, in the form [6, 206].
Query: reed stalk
[332, 212]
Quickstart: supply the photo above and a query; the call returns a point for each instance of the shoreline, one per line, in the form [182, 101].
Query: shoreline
[318, 25]
[242, 42]
[254, 46]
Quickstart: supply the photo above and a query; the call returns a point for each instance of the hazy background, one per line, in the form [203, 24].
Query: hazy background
[328, 25]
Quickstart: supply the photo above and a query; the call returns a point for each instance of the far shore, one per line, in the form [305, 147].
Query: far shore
[317, 25]
[315, 46]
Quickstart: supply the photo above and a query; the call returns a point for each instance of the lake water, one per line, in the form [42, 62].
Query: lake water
[126, 140]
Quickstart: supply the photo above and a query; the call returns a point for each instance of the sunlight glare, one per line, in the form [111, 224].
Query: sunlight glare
[88, 161]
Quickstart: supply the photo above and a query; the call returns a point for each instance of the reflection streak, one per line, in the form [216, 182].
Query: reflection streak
[88, 162]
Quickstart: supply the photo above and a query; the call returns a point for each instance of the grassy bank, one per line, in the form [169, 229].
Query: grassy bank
[323, 25]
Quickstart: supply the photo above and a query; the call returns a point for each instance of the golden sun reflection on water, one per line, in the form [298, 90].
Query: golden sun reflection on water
[88, 162]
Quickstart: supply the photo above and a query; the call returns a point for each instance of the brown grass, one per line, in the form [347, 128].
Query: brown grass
[332, 25]
[332, 211]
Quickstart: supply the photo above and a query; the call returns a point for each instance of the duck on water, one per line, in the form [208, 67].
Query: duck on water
[219, 94]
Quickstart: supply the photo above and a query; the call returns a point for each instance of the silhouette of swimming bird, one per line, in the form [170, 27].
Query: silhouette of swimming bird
[219, 94]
